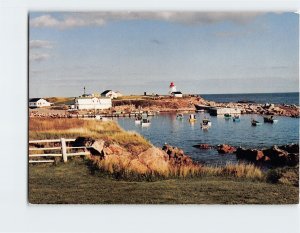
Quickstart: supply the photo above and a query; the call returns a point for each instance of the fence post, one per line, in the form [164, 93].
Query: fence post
[64, 149]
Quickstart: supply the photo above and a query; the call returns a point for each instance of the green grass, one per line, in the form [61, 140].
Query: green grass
[73, 183]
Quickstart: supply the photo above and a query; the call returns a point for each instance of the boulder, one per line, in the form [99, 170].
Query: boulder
[290, 148]
[277, 156]
[176, 156]
[95, 147]
[203, 146]
[155, 159]
[225, 149]
[286, 155]
[115, 149]
[249, 154]
[83, 141]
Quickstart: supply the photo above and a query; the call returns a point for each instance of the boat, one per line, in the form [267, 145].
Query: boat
[270, 119]
[145, 122]
[255, 123]
[227, 116]
[192, 118]
[236, 118]
[205, 123]
[179, 116]
[138, 120]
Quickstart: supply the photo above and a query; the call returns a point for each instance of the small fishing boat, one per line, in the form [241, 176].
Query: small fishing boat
[236, 118]
[227, 116]
[179, 116]
[255, 123]
[145, 122]
[138, 120]
[270, 119]
[205, 123]
[192, 118]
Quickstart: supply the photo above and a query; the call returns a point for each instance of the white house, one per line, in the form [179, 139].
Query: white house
[111, 94]
[38, 103]
[92, 103]
[176, 94]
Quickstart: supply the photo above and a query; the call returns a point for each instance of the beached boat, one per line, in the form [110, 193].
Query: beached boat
[236, 118]
[205, 123]
[192, 118]
[145, 122]
[255, 123]
[270, 119]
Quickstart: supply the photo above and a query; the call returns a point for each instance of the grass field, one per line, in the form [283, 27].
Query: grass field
[73, 183]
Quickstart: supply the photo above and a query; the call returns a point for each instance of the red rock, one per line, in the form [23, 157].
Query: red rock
[203, 146]
[225, 149]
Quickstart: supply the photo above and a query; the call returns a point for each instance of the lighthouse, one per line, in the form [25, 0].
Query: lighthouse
[172, 88]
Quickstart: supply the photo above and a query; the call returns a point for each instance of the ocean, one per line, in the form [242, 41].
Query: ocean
[166, 128]
[274, 98]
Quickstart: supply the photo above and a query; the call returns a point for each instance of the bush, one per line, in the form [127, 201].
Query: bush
[273, 176]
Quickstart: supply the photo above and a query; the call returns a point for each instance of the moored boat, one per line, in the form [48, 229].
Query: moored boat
[192, 118]
[205, 123]
[145, 122]
[138, 119]
[270, 119]
[255, 123]
[236, 118]
[227, 116]
[179, 116]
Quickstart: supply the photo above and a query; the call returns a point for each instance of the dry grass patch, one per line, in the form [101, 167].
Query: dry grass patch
[53, 128]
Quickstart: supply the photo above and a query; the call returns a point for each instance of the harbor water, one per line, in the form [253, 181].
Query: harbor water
[167, 128]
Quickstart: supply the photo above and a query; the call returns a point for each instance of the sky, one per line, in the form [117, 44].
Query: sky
[137, 52]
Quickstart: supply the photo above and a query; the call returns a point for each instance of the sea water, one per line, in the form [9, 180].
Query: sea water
[166, 128]
[275, 98]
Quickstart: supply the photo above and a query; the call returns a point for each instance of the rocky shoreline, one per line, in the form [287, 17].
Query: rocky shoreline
[275, 156]
[168, 104]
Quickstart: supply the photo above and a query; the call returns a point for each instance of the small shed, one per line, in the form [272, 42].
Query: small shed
[176, 94]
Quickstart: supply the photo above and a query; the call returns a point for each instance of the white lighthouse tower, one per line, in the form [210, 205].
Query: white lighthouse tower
[172, 88]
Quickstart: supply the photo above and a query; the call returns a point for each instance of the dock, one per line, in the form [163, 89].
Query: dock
[214, 111]
[222, 111]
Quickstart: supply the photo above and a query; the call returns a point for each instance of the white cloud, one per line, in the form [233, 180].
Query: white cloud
[39, 57]
[40, 44]
[71, 20]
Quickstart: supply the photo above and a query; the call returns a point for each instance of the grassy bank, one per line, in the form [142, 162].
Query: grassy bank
[74, 183]
[110, 131]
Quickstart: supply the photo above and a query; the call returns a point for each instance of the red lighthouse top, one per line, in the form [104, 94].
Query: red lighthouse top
[172, 84]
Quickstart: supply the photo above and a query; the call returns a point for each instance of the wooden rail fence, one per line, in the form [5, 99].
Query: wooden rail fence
[63, 150]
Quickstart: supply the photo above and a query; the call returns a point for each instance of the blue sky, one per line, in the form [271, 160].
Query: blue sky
[133, 52]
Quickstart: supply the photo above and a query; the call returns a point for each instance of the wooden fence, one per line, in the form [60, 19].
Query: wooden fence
[63, 150]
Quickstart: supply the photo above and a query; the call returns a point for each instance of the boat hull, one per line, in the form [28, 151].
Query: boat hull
[268, 120]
